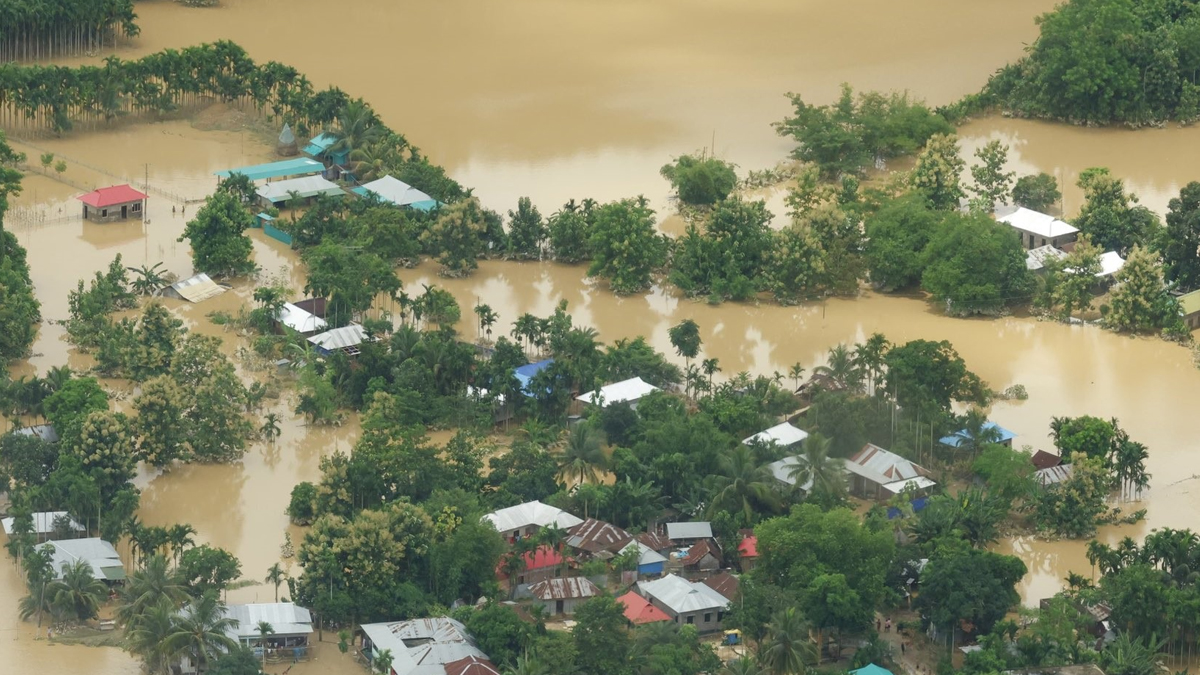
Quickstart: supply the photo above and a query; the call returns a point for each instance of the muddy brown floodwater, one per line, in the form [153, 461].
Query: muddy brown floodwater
[559, 100]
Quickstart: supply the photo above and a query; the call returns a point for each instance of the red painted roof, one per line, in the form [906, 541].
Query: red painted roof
[543, 556]
[117, 194]
[472, 665]
[639, 610]
[749, 547]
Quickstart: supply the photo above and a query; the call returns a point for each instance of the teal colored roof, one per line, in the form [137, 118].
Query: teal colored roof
[288, 167]
[319, 144]
[871, 669]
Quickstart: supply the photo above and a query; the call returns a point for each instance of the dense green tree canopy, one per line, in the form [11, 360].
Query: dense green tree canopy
[975, 266]
[625, 246]
[700, 180]
[897, 235]
[1181, 240]
[970, 590]
[218, 238]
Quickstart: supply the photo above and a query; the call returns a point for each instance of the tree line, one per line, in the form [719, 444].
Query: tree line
[32, 30]
[21, 311]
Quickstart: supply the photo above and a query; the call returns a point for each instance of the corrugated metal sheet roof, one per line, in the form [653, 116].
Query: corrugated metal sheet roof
[299, 320]
[918, 483]
[782, 470]
[1037, 223]
[530, 513]
[304, 187]
[962, 436]
[724, 583]
[198, 288]
[638, 610]
[784, 434]
[423, 646]
[1044, 460]
[1111, 262]
[285, 617]
[646, 555]
[320, 143]
[98, 553]
[1052, 474]
[619, 392]
[694, 530]
[572, 588]
[1037, 258]
[699, 551]
[288, 167]
[595, 536]
[396, 191]
[682, 596]
[43, 522]
[654, 541]
[472, 665]
[883, 467]
[340, 338]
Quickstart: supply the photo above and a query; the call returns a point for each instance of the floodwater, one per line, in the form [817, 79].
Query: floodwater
[559, 100]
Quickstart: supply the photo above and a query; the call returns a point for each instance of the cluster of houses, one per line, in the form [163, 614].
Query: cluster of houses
[1047, 238]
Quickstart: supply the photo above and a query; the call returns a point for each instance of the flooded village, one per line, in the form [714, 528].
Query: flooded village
[433, 461]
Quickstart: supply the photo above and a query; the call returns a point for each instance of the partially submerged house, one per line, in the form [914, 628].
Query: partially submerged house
[106, 563]
[47, 525]
[785, 435]
[303, 188]
[686, 602]
[345, 339]
[627, 391]
[597, 538]
[639, 611]
[299, 166]
[1189, 305]
[194, 289]
[422, 646]
[293, 317]
[118, 202]
[876, 473]
[687, 533]
[994, 431]
[43, 432]
[1111, 262]
[292, 625]
[524, 520]
[1039, 229]
[398, 193]
[562, 596]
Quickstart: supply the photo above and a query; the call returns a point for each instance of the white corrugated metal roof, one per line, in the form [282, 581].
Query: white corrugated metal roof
[883, 467]
[1111, 262]
[530, 513]
[695, 530]
[396, 191]
[285, 617]
[43, 522]
[784, 434]
[682, 596]
[1037, 223]
[619, 392]
[1053, 474]
[1036, 258]
[918, 483]
[571, 588]
[782, 470]
[647, 555]
[98, 553]
[304, 187]
[435, 642]
[340, 338]
[299, 320]
[198, 288]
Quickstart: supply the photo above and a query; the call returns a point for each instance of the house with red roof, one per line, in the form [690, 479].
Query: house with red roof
[541, 564]
[471, 665]
[118, 202]
[638, 610]
[748, 552]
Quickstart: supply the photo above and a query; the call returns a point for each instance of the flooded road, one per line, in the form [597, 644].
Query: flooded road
[559, 100]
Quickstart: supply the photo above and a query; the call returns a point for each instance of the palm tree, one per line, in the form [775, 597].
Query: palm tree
[710, 367]
[1130, 468]
[814, 464]
[487, 319]
[356, 128]
[180, 537]
[200, 631]
[149, 281]
[869, 358]
[742, 666]
[148, 637]
[977, 432]
[743, 485]
[529, 664]
[149, 587]
[582, 457]
[841, 369]
[787, 648]
[78, 593]
[382, 662]
[276, 576]
[270, 427]
[796, 372]
[264, 629]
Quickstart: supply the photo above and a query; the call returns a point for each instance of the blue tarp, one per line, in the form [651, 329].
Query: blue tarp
[301, 166]
[957, 438]
[918, 505]
[871, 669]
[526, 372]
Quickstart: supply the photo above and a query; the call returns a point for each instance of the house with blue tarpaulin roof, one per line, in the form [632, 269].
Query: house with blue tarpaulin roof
[525, 374]
[396, 191]
[957, 439]
[318, 148]
[301, 166]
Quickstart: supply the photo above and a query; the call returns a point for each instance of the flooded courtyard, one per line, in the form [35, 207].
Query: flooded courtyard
[557, 100]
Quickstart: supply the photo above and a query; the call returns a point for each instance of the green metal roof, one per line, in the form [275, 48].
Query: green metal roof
[1190, 302]
[288, 167]
[319, 144]
[113, 573]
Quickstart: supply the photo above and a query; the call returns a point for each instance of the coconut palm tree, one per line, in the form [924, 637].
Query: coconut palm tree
[78, 593]
[582, 458]
[842, 369]
[742, 666]
[977, 433]
[529, 664]
[270, 427]
[264, 629]
[180, 537]
[382, 662]
[147, 588]
[357, 127]
[276, 576]
[743, 485]
[787, 649]
[148, 637]
[200, 631]
[814, 463]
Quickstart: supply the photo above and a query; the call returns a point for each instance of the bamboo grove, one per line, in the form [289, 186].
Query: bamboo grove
[55, 98]
[32, 30]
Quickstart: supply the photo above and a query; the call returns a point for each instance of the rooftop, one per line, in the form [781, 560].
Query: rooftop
[423, 646]
[782, 470]
[697, 552]
[198, 288]
[595, 536]
[883, 467]
[111, 196]
[1052, 474]
[961, 436]
[397, 192]
[646, 555]
[1044, 460]
[749, 547]
[696, 530]
[571, 588]
[526, 373]
[319, 143]
[1037, 258]
[638, 610]
[871, 669]
[303, 187]
[654, 541]
[682, 596]
[285, 617]
[471, 665]
[724, 583]
[346, 337]
[1111, 262]
[299, 320]
[530, 513]
[106, 564]
[781, 434]
[43, 522]
[288, 167]
[619, 392]
[1037, 223]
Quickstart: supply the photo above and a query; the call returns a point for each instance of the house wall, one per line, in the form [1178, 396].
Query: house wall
[533, 576]
[1192, 320]
[713, 623]
[1031, 241]
[706, 564]
[112, 213]
[651, 569]
[568, 605]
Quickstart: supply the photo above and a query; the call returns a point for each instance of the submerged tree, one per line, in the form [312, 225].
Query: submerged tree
[217, 235]
[626, 249]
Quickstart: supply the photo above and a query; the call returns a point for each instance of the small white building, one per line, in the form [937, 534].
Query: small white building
[106, 564]
[686, 602]
[785, 435]
[627, 391]
[1039, 229]
[524, 520]
[43, 524]
[300, 320]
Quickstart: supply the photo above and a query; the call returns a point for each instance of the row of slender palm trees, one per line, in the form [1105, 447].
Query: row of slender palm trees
[43, 29]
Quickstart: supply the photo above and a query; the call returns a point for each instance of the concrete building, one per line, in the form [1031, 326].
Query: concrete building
[524, 520]
[627, 391]
[686, 602]
[119, 202]
[562, 596]
[432, 646]
[1039, 229]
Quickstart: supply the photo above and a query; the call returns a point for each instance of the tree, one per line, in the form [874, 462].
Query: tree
[830, 604]
[207, 569]
[526, 231]
[264, 629]
[239, 661]
[817, 466]
[1073, 507]
[726, 259]
[936, 173]
[275, 577]
[582, 456]
[975, 266]
[457, 238]
[570, 232]
[357, 127]
[1007, 472]
[1181, 240]
[240, 186]
[601, 640]
[795, 264]
[787, 650]
[992, 182]
[841, 369]
[1141, 302]
[1069, 281]
[700, 180]
[1109, 216]
[74, 401]
[925, 374]
[220, 246]
[743, 486]
[897, 235]
[77, 593]
[626, 249]
[149, 587]
[47, 159]
[969, 591]
[685, 338]
[350, 280]
[148, 636]
[382, 663]
[20, 311]
[162, 435]
[200, 631]
[1038, 192]
[106, 448]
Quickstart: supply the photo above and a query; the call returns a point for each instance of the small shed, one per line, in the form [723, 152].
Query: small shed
[1052, 475]
[562, 596]
[650, 562]
[287, 147]
[748, 552]
[318, 148]
[639, 610]
[119, 202]
[1189, 304]
[195, 289]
